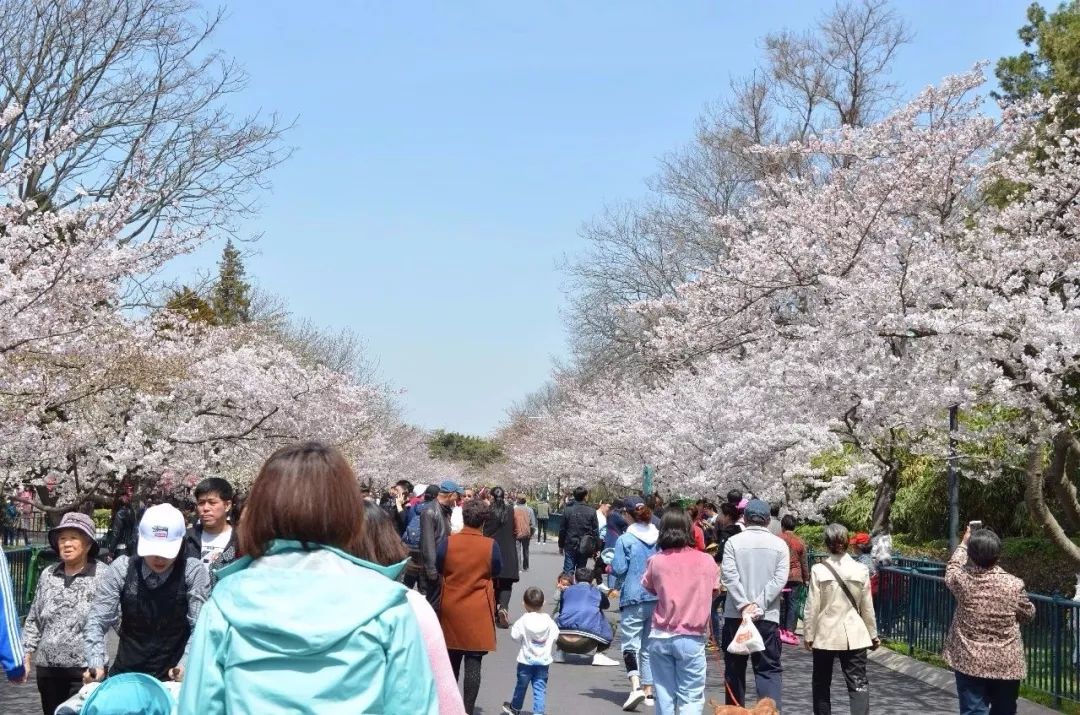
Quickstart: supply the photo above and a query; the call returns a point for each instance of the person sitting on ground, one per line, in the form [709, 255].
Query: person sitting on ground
[154, 596]
[537, 634]
[563, 582]
[383, 546]
[984, 646]
[302, 623]
[213, 540]
[583, 627]
[840, 624]
[754, 571]
[53, 632]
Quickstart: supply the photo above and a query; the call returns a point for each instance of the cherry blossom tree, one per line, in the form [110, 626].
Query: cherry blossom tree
[95, 394]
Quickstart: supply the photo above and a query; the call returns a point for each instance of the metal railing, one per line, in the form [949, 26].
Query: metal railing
[915, 610]
[26, 565]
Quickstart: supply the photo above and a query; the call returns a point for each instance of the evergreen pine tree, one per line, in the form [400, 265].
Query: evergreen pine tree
[231, 299]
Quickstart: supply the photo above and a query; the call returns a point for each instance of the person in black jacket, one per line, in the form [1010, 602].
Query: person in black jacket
[579, 533]
[213, 539]
[500, 526]
[434, 528]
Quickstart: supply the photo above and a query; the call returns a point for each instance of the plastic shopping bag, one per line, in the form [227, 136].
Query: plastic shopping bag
[747, 639]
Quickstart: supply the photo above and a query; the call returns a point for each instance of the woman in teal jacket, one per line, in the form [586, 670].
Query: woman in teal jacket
[301, 624]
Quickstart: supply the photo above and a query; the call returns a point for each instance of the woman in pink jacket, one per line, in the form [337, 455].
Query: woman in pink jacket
[684, 581]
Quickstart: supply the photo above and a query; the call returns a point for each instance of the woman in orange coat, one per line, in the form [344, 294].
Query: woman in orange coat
[469, 562]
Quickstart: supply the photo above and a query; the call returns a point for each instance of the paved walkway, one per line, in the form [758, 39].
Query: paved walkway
[595, 690]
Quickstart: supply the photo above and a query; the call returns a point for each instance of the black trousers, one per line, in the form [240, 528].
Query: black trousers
[55, 685]
[503, 589]
[541, 531]
[853, 663]
[768, 673]
[525, 552]
[471, 686]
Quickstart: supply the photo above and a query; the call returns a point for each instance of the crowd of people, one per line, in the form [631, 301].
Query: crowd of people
[260, 614]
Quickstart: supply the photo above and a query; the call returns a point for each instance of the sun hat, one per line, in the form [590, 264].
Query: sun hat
[161, 531]
[128, 694]
[80, 522]
[419, 489]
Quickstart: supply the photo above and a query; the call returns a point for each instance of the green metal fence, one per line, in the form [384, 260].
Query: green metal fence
[914, 610]
[26, 565]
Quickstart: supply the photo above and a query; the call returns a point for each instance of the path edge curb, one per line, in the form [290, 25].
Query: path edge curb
[940, 678]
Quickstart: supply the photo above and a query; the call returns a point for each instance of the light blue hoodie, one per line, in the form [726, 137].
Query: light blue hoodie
[303, 631]
[632, 552]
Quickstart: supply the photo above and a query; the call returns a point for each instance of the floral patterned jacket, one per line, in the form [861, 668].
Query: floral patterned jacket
[54, 626]
[991, 604]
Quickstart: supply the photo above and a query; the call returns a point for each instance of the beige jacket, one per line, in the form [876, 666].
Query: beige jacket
[831, 623]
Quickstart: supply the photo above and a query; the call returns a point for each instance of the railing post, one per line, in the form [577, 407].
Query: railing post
[910, 630]
[1055, 649]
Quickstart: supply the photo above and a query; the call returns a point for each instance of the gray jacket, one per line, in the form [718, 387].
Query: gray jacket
[754, 570]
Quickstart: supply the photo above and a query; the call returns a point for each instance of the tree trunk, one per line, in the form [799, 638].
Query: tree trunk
[1035, 483]
[880, 519]
[1062, 466]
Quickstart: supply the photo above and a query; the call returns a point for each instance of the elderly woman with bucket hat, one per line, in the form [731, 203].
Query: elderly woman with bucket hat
[53, 634]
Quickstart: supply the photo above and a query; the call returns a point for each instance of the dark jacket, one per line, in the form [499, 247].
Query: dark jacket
[193, 550]
[578, 519]
[434, 527]
[500, 526]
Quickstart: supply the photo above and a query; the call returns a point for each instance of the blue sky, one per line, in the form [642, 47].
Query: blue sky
[448, 153]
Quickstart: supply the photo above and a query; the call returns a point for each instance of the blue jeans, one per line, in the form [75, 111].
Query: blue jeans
[678, 669]
[635, 622]
[572, 561]
[986, 696]
[537, 676]
[714, 615]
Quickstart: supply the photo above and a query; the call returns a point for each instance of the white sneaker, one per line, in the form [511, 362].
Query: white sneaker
[637, 697]
[650, 702]
[601, 659]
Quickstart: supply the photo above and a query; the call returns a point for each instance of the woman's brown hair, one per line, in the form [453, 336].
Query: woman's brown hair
[306, 492]
[382, 543]
[642, 514]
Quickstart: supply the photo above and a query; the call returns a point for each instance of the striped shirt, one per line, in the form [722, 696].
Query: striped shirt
[12, 656]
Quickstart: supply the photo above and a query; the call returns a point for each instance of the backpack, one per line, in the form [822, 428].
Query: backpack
[411, 537]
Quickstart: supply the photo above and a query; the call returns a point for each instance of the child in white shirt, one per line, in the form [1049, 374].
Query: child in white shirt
[537, 633]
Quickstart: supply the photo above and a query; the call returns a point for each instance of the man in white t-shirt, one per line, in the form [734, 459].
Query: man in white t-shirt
[213, 540]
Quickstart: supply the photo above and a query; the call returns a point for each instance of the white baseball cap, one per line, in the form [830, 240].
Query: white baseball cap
[161, 531]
